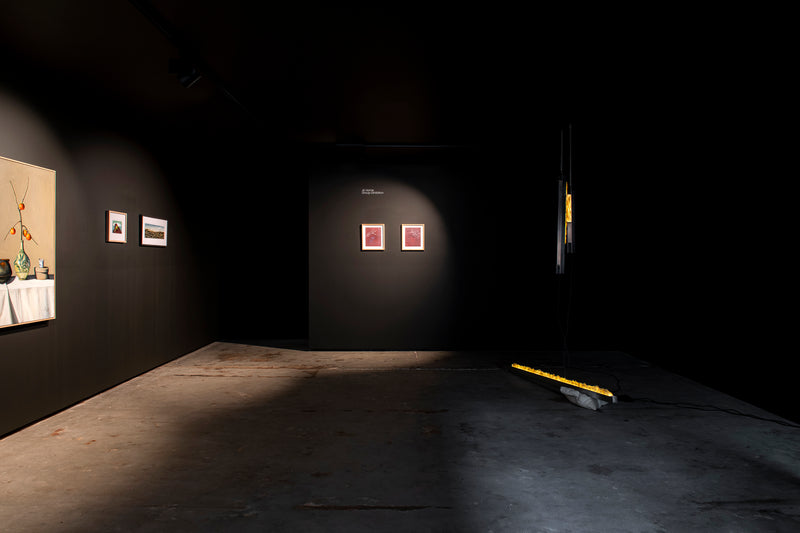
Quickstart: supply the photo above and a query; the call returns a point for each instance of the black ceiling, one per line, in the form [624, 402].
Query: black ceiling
[403, 72]
[410, 72]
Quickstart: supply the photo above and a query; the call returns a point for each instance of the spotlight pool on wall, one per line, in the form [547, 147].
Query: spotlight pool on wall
[154, 231]
[413, 236]
[373, 237]
[28, 246]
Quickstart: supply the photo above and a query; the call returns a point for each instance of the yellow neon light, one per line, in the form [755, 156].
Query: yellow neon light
[569, 208]
[593, 388]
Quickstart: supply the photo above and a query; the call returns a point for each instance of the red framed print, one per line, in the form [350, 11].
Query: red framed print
[413, 236]
[373, 237]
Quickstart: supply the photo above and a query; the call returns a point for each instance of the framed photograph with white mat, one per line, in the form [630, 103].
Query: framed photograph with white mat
[116, 227]
[154, 231]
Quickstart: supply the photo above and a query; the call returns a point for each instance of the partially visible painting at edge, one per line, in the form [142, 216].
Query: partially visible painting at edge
[28, 246]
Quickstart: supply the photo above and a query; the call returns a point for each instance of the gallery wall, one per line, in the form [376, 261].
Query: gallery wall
[121, 309]
[256, 240]
[681, 211]
[484, 278]
[672, 261]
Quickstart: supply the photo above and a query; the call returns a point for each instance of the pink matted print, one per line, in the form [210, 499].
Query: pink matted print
[413, 236]
[372, 237]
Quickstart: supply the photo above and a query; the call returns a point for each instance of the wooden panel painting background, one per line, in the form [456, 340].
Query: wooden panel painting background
[38, 186]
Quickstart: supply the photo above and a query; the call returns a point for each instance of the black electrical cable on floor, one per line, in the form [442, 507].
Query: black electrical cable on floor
[706, 407]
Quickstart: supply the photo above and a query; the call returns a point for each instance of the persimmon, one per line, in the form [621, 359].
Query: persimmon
[21, 206]
[12, 231]
[27, 236]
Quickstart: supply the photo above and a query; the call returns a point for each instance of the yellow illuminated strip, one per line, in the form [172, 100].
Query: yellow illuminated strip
[593, 388]
[566, 212]
[569, 208]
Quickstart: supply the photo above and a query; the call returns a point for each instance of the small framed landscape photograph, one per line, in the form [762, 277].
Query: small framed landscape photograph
[373, 237]
[154, 231]
[116, 227]
[413, 236]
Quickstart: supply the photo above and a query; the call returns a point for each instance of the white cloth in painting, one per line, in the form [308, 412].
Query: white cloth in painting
[27, 301]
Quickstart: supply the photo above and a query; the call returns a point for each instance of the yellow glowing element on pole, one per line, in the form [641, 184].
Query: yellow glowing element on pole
[593, 388]
[567, 212]
[569, 208]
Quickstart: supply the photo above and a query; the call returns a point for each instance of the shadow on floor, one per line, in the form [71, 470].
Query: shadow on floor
[250, 438]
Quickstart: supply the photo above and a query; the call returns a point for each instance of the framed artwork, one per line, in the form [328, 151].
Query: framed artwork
[413, 236]
[116, 227]
[28, 243]
[373, 237]
[154, 231]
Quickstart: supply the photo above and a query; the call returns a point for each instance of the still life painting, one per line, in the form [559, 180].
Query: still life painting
[28, 247]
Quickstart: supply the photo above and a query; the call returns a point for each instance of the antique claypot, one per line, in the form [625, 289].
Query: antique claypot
[42, 272]
[5, 270]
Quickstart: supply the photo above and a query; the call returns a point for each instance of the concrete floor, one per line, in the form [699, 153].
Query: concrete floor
[245, 438]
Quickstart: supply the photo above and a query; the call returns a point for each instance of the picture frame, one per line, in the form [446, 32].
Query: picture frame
[116, 227]
[413, 237]
[28, 272]
[153, 231]
[373, 237]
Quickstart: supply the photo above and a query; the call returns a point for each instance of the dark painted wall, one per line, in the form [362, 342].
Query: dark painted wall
[486, 277]
[680, 258]
[121, 309]
[258, 255]
[681, 219]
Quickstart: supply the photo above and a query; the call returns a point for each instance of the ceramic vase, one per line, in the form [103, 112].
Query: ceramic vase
[22, 264]
[5, 271]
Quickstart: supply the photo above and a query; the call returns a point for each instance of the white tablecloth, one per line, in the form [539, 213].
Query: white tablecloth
[26, 301]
